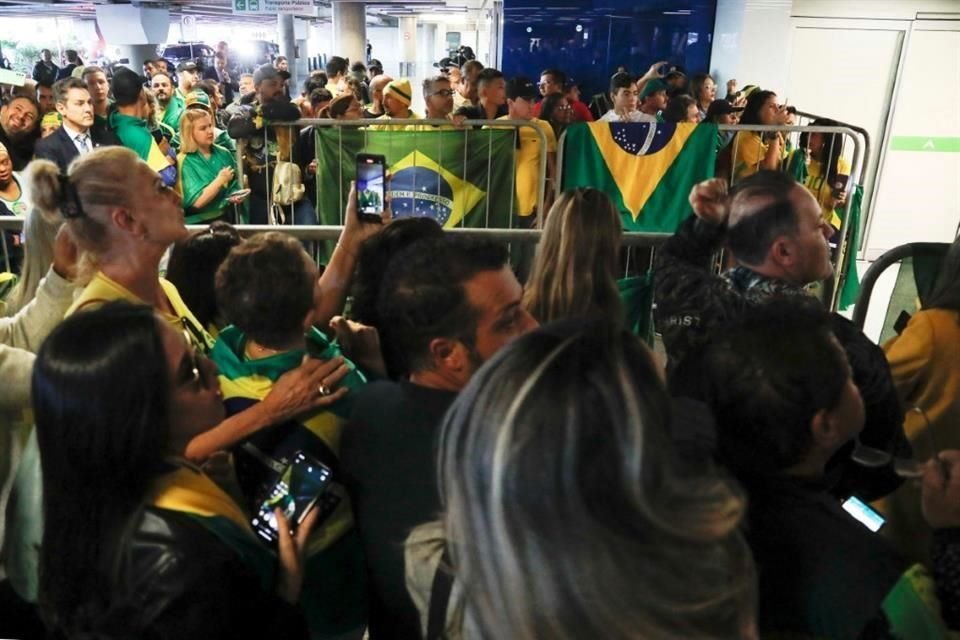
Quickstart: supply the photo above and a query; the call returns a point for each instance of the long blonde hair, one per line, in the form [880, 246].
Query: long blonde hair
[575, 270]
[565, 514]
[39, 233]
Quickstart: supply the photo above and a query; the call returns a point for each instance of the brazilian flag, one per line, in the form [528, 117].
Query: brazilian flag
[456, 177]
[647, 169]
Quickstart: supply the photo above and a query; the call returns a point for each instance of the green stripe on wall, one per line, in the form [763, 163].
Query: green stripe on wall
[925, 143]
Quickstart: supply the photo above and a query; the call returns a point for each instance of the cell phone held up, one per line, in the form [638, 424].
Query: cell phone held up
[839, 185]
[295, 493]
[371, 185]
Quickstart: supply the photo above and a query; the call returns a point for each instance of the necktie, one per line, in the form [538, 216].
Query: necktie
[82, 141]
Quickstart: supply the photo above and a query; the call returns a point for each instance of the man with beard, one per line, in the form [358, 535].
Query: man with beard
[171, 105]
[448, 305]
[19, 129]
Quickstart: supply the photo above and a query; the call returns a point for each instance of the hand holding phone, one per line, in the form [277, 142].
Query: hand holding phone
[839, 186]
[371, 186]
[293, 496]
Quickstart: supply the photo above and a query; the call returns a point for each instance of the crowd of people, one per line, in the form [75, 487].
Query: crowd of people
[504, 458]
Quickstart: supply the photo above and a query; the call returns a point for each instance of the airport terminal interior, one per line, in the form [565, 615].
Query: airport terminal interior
[480, 319]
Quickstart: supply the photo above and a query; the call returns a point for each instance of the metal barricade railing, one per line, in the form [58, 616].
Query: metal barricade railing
[630, 240]
[859, 139]
[401, 125]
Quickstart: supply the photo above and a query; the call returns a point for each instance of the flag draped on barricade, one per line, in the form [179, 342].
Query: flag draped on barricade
[647, 169]
[456, 177]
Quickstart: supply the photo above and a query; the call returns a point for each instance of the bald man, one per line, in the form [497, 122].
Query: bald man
[377, 85]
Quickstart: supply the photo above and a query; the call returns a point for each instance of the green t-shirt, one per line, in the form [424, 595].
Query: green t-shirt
[171, 115]
[196, 172]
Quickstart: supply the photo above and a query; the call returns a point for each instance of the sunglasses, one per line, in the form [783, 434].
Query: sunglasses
[446, 93]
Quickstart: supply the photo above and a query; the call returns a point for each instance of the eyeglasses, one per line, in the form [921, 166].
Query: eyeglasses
[195, 343]
[446, 93]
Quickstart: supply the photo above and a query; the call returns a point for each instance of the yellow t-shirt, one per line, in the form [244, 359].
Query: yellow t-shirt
[751, 150]
[429, 127]
[528, 163]
[817, 184]
[102, 289]
[401, 122]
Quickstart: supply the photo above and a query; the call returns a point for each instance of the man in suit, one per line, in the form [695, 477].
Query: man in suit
[78, 135]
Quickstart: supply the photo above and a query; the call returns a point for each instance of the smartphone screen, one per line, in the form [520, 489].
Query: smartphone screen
[296, 492]
[370, 185]
[864, 513]
[839, 184]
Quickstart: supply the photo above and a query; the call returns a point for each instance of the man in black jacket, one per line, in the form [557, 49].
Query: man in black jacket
[45, 71]
[447, 306]
[78, 134]
[774, 229]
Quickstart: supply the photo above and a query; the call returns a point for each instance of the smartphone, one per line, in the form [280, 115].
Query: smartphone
[296, 492]
[839, 185]
[863, 513]
[371, 171]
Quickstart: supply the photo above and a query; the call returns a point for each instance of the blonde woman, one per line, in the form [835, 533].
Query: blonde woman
[574, 274]
[207, 171]
[123, 218]
[565, 514]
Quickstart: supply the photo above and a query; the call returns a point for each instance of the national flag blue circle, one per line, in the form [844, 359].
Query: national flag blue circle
[421, 192]
[631, 136]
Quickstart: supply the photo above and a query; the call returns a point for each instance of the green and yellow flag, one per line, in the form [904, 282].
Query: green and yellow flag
[456, 177]
[647, 169]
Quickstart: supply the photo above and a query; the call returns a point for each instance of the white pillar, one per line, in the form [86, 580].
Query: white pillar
[429, 53]
[288, 48]
[350, 31]
[408, 46]
[137, 54]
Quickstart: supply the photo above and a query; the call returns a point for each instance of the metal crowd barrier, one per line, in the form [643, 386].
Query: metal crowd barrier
[860, 142]
[467, 125]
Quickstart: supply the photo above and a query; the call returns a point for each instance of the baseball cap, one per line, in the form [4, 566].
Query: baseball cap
[652, 87]
[675, 73]
[197, 100]
[127, 86]
[720, 108]
[187, 65]
[521, 87]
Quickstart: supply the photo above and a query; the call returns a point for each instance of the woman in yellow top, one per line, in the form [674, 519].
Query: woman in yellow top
[827, 171]
[756, 151]
[123, 219]
[925, 364]
[207, 176]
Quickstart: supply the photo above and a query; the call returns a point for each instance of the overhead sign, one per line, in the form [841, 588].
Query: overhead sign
[262, 7]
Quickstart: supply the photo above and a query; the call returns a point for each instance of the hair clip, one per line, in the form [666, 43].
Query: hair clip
[69, 199]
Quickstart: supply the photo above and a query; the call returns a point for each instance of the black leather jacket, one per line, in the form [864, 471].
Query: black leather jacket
[175, 579]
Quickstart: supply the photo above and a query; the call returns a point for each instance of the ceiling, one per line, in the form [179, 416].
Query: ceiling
[221, 10]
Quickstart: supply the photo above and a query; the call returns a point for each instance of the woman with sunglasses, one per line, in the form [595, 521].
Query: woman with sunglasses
[139, 543]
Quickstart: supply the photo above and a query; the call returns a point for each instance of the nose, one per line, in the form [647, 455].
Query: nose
[528, 322]
[826, 229]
